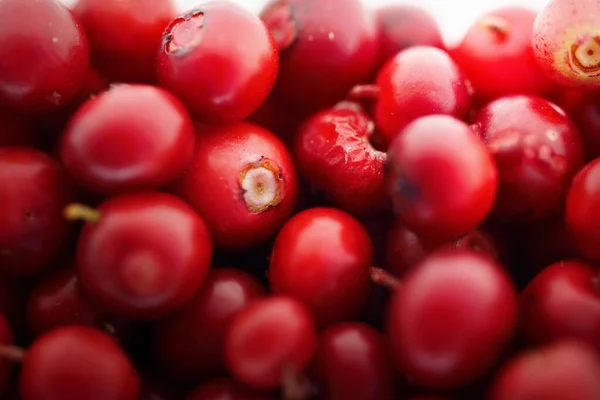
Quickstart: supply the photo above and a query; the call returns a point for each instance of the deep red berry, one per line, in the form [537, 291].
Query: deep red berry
[242, 181]
[334, 153]
[189, 343]
[325, 49]
[6, 365]
[269, 339]
[419, 81]
[43, 61]
[537, 149]
[497, 56]
[16, 130]
[352, 361]
[142, 255]
[150, 133]
[562, 301]
[583, 210]
[322, 257]
[227, 389]
[402, 26]
[441, 179]
[564, 370]
[220, 60]
[585, 111]
[74, 363]
[33, 231]
[439, 321]
[124, 35]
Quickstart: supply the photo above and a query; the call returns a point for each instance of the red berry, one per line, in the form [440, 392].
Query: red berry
[334, 153]
[227, 389]
[267, 339]
[322, 258]
[562, 301]
[189, 343]
[440, 177]
[324, 49]
[142, 255]
[419, 81]
[35, 190]
[124, 35]
[242, 181]
[402, 26]
[537, 150]
[6, 366]
[585, 111]
[567, 43]
[74, 363]
[352, 362]
[220, 60]
[439, 320]
[44, 55]
[151, 138]
[565, 370]
[497, 56]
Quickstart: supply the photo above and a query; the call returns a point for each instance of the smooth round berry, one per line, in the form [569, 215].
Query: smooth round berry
[227, 389]
[333, 152]
[142, 255]
[129, 138]
[77, 362]
[440, 177]
[419, 81]
[537, 149]
[324, 49]
[439, 320]
[44, 55]
[585, 112]
[220, 60]
[189, 343]
[124, 35]
[242, 181]
[322, 257]
[269, 339]
[34, 190]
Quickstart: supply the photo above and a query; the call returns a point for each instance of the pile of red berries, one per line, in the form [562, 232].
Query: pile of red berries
[321, 202]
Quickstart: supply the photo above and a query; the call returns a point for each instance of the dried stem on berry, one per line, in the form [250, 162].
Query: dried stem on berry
[262, 185]
[379, 276]
[12, 353]
[76, 211]
[499, 26]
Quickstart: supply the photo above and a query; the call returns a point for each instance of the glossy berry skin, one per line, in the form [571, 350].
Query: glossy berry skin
[562, 301]
[419, 81]
[585, 112]
[242, 181]
[269, 339]
[333, 152]
[6, 366]
[76, 362]
[402, 26]
[324, 49]
[537, 149]
[497, 56]
[564, 370]
[322, 258]
[151, 138]
[440, 177]
[43, 61]
[189, 343]
[439, 321]
[145, 257]
[352, 361]
[227, 389]
[220, 60]
[34, 189]
[124, 35]
[565, 41]
[583, 208]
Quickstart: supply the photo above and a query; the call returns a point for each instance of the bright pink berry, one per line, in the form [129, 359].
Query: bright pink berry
[537, 149]
[269, 339]
[150, 133]
[142, 255]
[322, 258]
[441, 179]
[439, 320]
[44, 55]
[242, 181]
[220, 60]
